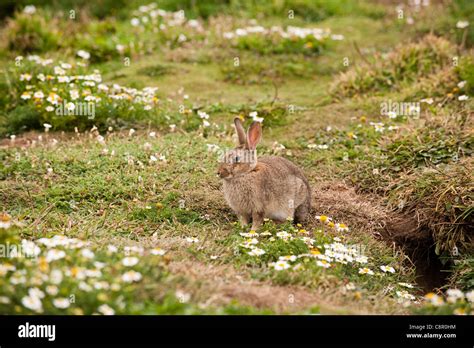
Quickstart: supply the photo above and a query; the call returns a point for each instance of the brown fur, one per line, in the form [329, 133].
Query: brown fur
[271, 187]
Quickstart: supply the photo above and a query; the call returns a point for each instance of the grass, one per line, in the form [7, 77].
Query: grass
[402, 67]
[156, 186]
[137, 204]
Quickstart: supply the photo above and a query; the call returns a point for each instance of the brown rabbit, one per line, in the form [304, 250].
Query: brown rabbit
[270, 187]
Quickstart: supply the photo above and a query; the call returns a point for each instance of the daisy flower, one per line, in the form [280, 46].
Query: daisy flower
[252, 241]
[133, 249]
[87, 253]
[454, 295]
[470, 296]
[158, 251]
[25, 77]
[83, 54]
[55, 254]
[366, 271]
[361, 259]
[131, 276]
[462, 24]
[323, 263]
[35, 292]
[130, 261]
[76, 272]
[38, 95]
[341, 227]
[323, 218]
[4, 268]
[112, 248]
[283, 235]
[52, 290]
[405, 295]
[25, 95]
[105, 310]
[392, 114]
[61, 303]
[434, 299]
[33, 303]
[5, 221]
[182, 296]
[249, 234]
[192, 240]
[4, 300]
[350, 286]
[29, 9]
[256, 252]
[56, 276]
[280, 265]
[387, 269]
[84, 286]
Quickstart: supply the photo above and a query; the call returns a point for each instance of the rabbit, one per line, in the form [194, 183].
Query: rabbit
[271, 187]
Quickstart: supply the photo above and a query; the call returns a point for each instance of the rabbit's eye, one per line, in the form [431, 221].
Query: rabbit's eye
[237, 159]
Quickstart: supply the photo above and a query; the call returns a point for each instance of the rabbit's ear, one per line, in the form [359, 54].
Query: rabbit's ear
[254, 135]
[240, 132]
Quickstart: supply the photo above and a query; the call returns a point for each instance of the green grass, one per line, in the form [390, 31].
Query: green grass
[106, 199]
[106, 186]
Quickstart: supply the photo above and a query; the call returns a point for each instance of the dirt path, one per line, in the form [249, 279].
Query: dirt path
[216, 285]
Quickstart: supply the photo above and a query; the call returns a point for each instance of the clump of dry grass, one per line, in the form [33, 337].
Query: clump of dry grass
[427, 173]
[406, 64]
[442, 201]
[336, 199]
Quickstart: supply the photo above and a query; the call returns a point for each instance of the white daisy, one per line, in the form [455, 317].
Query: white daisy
[366, 271]
[462, 24]
[287, 258]
[83, 54]
[192, 240]
[454, 295]
[106, 309]
[130, 261]
[131, 276]
[61, 303]
[55, 254]
[33, 303]
[256, 252]
[281, 265]
[158, 251]
[387, 269]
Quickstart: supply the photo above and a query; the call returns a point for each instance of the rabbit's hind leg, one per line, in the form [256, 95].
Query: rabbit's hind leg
[302, 212]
